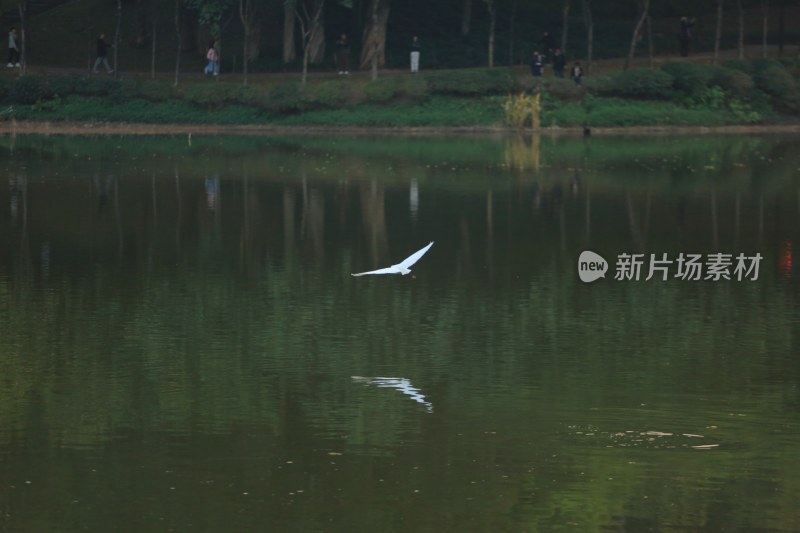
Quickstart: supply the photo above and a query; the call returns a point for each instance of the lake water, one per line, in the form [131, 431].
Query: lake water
[182, 347]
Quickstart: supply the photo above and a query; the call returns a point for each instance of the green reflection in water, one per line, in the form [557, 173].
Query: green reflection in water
[179, 332]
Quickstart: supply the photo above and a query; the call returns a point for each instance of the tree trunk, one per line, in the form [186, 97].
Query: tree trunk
[565, 27]
[650, 41]
[153, 54]
[781, 26]
[637, 31]
[289, 48]
[466, 17]
[23, 56]
[375, 42]
[718, 33]
[374, 35]
[764, 26]
[116, 38]
[490, 5]
[589, 23]
[246, 16]
[740, 44]
[178, 35]
[254, 45]
[317, 43]
[310, 28]
[141, 24]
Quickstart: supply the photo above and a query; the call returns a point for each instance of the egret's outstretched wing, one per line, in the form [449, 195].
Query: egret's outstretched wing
[388, 270]
[413, 258]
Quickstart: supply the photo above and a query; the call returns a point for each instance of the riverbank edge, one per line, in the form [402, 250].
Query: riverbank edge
[14, 127]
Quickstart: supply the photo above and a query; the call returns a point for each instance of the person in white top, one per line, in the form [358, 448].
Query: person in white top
[13, 50]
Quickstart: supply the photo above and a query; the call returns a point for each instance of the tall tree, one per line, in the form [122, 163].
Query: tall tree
[650, 62]
[564, 26]
[491, 6]
[289, 16]
[589, 23]
[466, 17]
[178, 39]
[374, 59]
[740, 42]
[637, 32]
[511, 25]
[141, 24]
[718, 32]
[308, 14]
[116, 38]
[764, 26]
[247, 10]
[373, 42]
[22, 6]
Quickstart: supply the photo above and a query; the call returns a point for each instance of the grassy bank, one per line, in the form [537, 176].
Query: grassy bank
[762, 91]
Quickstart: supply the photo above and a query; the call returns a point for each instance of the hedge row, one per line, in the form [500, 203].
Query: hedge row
[689, 83]
[749, 82]
[288, 97]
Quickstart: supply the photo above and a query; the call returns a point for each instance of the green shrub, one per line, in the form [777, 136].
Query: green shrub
[5, 86]
[688, 78]
[638, 83]
[391, 88]
[328, 94]
[739, 64]
[472, 82]
[735, 83]
[562, 89]
[207, 95]
[246, 95]
[156, 91]
[28, 90]
[780, 86]
[383, 90]
[65, 85]
[765, 63]
[416, 88]
[290, 97]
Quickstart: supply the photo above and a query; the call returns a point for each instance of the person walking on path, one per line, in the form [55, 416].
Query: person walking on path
[343, 54]
[559, 63]
[213, 60]
[535, 63]
[102, 54]
[686, 35]
[13, 48]
[415, 54]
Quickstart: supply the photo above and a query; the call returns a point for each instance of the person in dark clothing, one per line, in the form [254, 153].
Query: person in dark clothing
[548, 43]
[102, 54]
[343, 54]
[559, 63]
[535, 63]
[686, 35]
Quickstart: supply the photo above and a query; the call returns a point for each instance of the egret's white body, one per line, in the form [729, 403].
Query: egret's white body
[401, 384]
[401, 267]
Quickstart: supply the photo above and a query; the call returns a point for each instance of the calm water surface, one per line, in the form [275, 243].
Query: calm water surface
[182, 347]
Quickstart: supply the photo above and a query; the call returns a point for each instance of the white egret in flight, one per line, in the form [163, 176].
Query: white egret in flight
[399, 268]
[401, 384]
